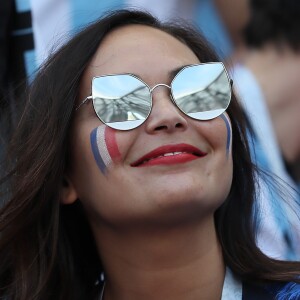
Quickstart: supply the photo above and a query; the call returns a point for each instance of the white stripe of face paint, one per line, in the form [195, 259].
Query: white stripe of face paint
[102, 145]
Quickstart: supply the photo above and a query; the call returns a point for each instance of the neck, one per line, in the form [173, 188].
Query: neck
[178, 263]
[277, 71]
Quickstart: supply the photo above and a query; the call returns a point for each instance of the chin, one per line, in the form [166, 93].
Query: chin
[188, 204]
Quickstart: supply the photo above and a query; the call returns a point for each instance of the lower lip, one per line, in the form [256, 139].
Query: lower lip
[170, 160]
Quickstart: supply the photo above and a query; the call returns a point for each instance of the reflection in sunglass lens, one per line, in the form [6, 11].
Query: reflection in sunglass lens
[121, 101]
[202, 91]
[124, 101]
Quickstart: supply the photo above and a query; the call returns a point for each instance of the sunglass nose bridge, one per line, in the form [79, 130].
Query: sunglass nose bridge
[159, 84]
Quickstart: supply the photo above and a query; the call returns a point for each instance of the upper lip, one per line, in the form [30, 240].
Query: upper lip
[160, 151]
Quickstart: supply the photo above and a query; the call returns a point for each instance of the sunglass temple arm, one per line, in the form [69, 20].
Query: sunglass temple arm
[84, 101]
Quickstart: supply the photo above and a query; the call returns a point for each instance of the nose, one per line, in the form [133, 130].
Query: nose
[165, 116]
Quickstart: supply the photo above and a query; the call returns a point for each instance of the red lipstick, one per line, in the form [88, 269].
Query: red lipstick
[169, 154]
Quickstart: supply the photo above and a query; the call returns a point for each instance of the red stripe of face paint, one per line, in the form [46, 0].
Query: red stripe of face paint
[111, 143]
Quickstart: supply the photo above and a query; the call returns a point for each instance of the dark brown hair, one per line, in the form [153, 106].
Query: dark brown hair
[273, 21]
[46, 249]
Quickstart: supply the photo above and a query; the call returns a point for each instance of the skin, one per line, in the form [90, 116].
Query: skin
[154, 226]
[235, 14]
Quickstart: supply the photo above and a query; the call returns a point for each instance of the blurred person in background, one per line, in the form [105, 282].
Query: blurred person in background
[234, 22]
[273, 40]
[266, 72]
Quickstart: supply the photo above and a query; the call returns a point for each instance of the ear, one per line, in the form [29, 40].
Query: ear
[69, 194]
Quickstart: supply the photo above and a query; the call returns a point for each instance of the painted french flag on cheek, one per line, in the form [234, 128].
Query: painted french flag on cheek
[104, 147]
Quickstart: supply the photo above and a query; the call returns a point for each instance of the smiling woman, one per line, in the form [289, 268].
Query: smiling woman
[130, 170]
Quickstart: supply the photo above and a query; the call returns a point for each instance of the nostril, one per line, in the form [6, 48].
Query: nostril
[161, 127]
[164, 127]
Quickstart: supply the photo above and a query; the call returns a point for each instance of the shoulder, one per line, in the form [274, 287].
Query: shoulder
[270, 291]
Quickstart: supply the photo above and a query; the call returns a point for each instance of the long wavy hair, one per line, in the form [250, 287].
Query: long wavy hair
[47, 250]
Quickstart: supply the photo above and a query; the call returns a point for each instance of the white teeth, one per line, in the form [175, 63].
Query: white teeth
[172, 153]
[168, 154]
[165, 154]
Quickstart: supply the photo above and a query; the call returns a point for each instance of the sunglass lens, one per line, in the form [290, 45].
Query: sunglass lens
[202, 91]
[122, 102]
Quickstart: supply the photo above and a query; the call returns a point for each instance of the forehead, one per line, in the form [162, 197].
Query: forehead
[139, 48]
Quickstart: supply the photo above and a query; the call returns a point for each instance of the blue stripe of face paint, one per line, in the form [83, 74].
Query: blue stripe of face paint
[96, 153]
[228, 133]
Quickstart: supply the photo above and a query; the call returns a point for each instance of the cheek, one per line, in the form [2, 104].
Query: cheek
[104, 147]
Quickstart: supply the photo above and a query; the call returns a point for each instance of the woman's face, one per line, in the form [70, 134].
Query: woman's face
[116, 191]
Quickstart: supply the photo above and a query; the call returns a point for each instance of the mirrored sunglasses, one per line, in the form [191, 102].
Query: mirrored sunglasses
[124, 101]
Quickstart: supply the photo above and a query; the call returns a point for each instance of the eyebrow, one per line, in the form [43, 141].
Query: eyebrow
[175, 71]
